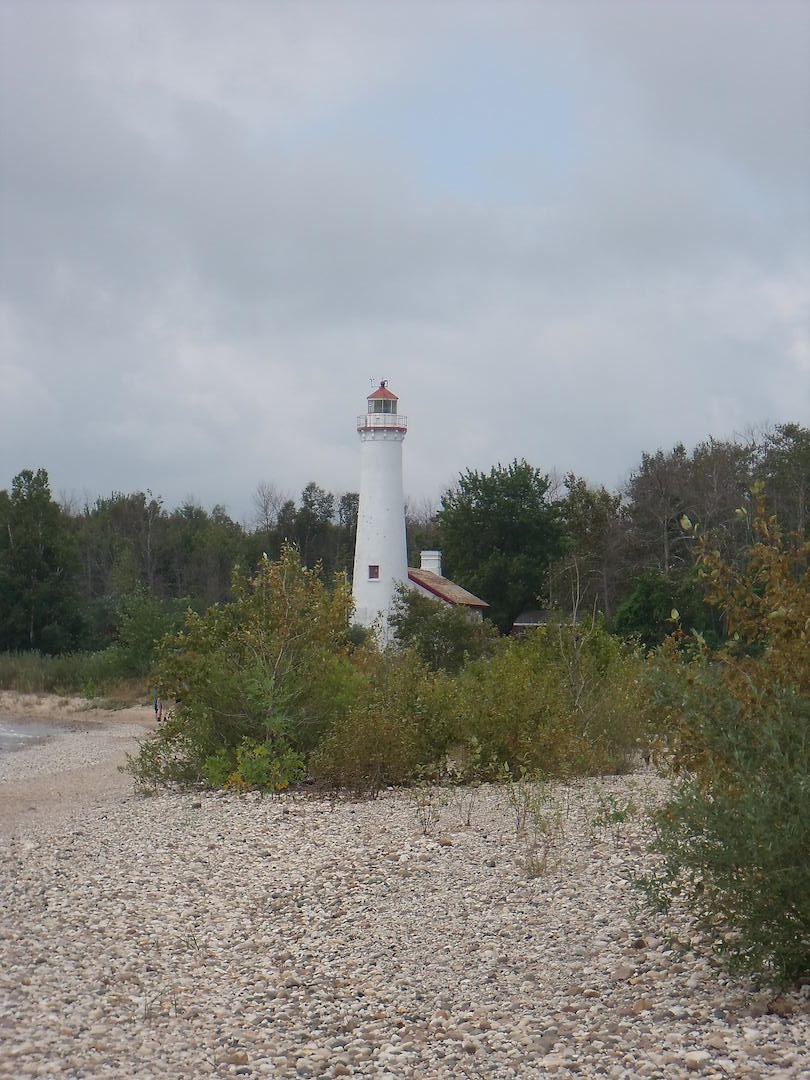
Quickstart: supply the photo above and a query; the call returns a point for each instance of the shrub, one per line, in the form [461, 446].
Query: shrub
[274, 679]
[167, 757]
[563, 700]
[218, 768]
[734, 838]
[271, 667]
[262, 766]
[394, 727]
[445, 637]
[737, 847]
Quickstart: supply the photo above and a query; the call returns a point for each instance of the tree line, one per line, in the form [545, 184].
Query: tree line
[71, 576]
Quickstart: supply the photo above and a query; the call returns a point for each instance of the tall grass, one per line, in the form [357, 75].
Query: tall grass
[91, 675]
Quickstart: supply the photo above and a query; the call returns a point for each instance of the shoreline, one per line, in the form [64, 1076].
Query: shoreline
[70, 764]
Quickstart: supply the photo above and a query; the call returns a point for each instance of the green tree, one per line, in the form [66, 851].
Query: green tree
[587, 574]
[720, 475]
[119, 539]
[346, 531]
[658, 497]
[500, 531]
[421, 529]
[40, 604]
[314, 527]
[659, 605]
[142, 621]
[198, 553]
[784, 466]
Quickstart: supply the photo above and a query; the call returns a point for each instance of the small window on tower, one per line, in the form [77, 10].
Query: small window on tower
[374, 572]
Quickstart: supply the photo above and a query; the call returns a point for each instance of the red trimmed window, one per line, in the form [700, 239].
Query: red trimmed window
[374, 572]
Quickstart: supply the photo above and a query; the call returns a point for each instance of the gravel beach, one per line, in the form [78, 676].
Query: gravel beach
[186, 935]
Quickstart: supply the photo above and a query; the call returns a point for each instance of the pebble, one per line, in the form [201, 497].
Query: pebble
[233, 936]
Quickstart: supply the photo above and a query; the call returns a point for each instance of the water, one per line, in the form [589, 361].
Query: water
[15, 735]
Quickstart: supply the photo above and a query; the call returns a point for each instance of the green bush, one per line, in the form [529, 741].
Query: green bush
[563, 700]
[275, 679]
[734, 838]
[445, 637]
[273, 666]
[738, 848]
[167, 757]
[394, 727]
[218, 768]
[255, 765]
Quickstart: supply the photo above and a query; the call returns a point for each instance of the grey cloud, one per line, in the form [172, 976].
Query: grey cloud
[200, 244]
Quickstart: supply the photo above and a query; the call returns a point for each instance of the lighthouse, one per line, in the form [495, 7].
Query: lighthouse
[380, 553]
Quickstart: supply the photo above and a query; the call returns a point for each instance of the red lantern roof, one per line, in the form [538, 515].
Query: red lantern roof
[382, 391]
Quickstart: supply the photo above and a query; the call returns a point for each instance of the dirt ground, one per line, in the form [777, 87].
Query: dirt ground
[74, 767]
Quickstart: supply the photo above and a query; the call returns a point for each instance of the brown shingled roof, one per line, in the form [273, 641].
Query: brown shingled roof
[445, 589]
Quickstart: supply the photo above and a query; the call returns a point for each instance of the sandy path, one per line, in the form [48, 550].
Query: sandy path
[73, 768]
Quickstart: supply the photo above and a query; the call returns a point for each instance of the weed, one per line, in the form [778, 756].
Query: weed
[465, 797]
[545, 833]
[613, 814]
[426, 805]
[526, 794]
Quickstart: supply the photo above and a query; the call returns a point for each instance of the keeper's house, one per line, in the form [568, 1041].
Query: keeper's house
[428, 580]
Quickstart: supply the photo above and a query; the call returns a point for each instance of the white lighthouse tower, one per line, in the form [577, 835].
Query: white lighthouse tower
[380, 553]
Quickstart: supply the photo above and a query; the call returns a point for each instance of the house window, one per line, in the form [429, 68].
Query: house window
[374, 572]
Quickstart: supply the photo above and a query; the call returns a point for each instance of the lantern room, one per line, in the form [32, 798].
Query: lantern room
[382, 412]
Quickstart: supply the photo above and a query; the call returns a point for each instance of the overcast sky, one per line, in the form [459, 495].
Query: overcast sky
[562, 231]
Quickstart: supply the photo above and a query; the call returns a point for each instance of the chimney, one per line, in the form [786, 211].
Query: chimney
[432, 560]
